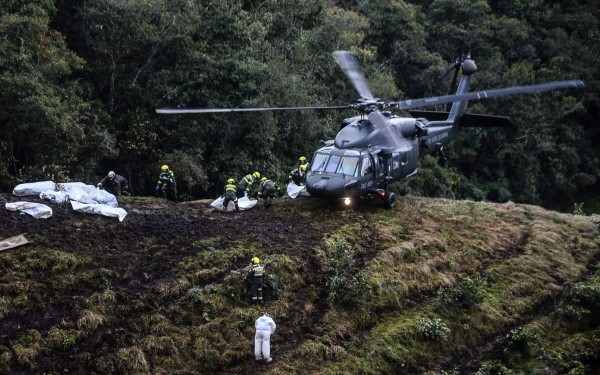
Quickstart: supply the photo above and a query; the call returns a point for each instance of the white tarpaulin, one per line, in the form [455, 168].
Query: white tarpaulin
[15, 241]
[33, 188]
[37, 210]
[243, 203]
[100, 209]
[80, 192]
[88, 198]
[294, 190]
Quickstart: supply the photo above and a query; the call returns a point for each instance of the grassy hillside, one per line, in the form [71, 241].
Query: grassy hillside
[432, 286]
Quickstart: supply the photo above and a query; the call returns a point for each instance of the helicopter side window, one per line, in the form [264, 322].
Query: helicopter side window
[396, 161]
[366, 167]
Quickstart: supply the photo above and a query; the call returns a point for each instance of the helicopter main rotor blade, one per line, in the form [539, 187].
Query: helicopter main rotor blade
[349, 65]
[380, 122]
[169, 111]
[477, 95]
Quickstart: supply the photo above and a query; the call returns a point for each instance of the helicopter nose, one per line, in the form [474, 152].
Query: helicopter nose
[325, 186]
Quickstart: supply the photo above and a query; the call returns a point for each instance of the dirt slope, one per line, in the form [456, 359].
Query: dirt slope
[163, 291]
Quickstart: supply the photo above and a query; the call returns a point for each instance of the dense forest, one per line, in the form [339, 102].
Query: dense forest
[80, 82]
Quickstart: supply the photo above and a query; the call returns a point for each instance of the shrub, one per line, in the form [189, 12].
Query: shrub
[133, 361]
[466, 294]
[432, 329]
[583, 303]
[493, 368]
[521, 341]
[347, 286]
[61, 339]
[90, 320]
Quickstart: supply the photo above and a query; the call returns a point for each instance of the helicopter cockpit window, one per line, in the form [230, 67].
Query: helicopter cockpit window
[335, 164]
[332, 163]
[319, 162]
[347, 165]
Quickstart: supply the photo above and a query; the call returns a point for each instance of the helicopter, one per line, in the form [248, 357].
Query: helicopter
[376, 148]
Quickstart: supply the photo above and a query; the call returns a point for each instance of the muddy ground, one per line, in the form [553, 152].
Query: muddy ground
[118, 247]
[145, 252]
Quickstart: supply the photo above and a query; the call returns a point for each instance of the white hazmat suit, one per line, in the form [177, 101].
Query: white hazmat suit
[265, 326]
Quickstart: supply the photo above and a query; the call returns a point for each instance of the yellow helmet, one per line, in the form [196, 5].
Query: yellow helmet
[263, 179]
[303, 167]
[256, 175]
[302, 158]
[255, 260]
[230, 181]
[164, 167]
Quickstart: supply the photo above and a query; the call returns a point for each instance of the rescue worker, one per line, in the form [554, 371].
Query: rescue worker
[248, 185]
[265, 327]
[255, 277]
[303, 161]
[267, 190]
[115, 184]
[298, 175]
[166, 184]
[230, 195]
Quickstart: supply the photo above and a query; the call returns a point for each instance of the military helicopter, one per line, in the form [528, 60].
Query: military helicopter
[376, 148]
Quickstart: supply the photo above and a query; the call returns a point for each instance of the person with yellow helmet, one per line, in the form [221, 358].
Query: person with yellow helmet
[298, 175]
[255, 277]
[230, 195]
[166, 185]
[248, 185]
[267, 190]
[303, 161]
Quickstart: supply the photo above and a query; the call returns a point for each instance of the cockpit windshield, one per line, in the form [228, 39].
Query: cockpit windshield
[335, 164]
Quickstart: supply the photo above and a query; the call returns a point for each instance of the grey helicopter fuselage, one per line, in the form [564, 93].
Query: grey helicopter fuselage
[364, 158]
[356, 164]
[377, 148]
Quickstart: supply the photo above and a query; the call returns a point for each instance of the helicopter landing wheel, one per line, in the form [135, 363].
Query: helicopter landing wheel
[390, 200]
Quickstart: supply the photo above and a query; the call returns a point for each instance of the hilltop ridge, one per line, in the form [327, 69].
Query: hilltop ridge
[431, 285]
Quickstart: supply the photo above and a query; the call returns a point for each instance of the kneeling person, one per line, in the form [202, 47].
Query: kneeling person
[230, 195]
[267, 190]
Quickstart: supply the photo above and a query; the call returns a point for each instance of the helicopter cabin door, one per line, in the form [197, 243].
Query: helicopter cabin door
[403, 164]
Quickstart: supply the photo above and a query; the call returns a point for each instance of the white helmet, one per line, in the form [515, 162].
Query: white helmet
[111, 174]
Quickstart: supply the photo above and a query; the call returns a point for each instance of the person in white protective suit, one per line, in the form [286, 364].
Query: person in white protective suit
[265, 326]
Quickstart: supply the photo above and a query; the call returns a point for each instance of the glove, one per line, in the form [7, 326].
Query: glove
[99, 184]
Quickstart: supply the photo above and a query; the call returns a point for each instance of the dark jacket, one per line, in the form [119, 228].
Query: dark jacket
[116, 185]
[267, 187]
[298, 176]
[256, 274]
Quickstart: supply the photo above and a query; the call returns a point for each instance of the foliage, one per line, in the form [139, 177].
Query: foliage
[521, 341]
[466, 294]
[582, 304]
[81, 80]
[493, 368]
[348, 286]
[431, 329]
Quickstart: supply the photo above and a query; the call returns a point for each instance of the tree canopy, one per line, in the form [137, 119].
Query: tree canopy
[80, 82]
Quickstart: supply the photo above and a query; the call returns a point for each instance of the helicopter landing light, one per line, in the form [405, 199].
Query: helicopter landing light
[347, 201]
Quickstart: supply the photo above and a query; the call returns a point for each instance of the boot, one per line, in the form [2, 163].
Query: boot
[269, 359]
